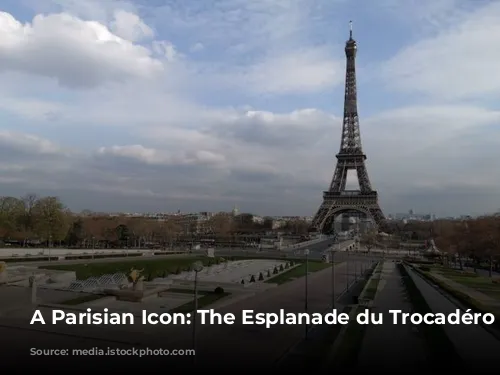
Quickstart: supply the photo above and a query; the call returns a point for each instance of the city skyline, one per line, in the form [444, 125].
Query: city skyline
[182, 106]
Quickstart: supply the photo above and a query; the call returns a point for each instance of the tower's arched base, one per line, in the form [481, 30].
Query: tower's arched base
[334, 204]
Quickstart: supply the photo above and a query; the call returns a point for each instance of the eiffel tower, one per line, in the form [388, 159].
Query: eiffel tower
[337, 200]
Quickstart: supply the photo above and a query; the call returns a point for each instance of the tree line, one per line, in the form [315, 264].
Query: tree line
[471, 241]
[32, 221]
[475, 239]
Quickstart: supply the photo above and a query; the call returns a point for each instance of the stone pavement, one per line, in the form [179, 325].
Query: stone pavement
[473, 343]
[255, 347]
[389, 346]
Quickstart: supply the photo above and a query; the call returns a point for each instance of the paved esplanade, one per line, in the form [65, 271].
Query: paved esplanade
[391, 346]
[255, 347]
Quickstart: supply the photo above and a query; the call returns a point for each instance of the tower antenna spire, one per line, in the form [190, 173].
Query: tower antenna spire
[350, 29]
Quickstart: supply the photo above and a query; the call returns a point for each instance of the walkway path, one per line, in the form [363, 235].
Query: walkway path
[387, 345]
[255, 347]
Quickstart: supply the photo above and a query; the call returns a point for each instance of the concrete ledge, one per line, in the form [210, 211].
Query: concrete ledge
[462, 297]
[132, 295]
[58, 306]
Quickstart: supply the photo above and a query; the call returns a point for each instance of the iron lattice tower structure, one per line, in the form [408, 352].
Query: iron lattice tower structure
[337, 200]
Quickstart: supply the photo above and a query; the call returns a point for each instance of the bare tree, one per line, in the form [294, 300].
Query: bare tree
[369, 240]
[50, 219]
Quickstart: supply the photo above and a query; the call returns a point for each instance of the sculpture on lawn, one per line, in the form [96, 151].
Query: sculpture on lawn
[136, 276]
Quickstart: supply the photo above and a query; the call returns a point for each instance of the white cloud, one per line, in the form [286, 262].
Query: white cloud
[264, 46]
[161, 157]
[300, 71]
[197, 47]
[165, 49]
[441, 146]
[129, 26]
[77, 53]
[425, 16]
[29, 143]
[459, 62]
[30, 108]
[102, 11]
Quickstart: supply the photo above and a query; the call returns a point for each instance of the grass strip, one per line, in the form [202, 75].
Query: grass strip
[298, 271]
[461, 297]
[372, 287]
[203, 301]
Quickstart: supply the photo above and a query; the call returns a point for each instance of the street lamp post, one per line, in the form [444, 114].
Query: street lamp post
[363, 260]
[197, 268]
[355, 267]
[347, 270]
[50, 245]
[93, 247]
[306, 253]
[333, 277]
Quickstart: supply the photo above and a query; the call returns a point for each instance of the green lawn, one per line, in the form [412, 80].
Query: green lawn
[186, 291]
[371, 289]
[152, 267]
[298, 271]
[204, 301]
[373, 281]
[82, 299]
[472, 280]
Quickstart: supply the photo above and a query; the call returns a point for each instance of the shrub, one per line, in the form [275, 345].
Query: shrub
[242, 281]
[261, 276]
[268, 273]
[281, 267]
[164, 274]
[275, 271]
[178, 270]
[252, 279]
[287, 265]
[219, 290]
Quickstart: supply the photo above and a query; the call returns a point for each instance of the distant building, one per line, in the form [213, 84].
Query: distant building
[192, 223]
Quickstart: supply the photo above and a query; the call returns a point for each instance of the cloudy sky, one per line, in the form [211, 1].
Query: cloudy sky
[159, 105]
